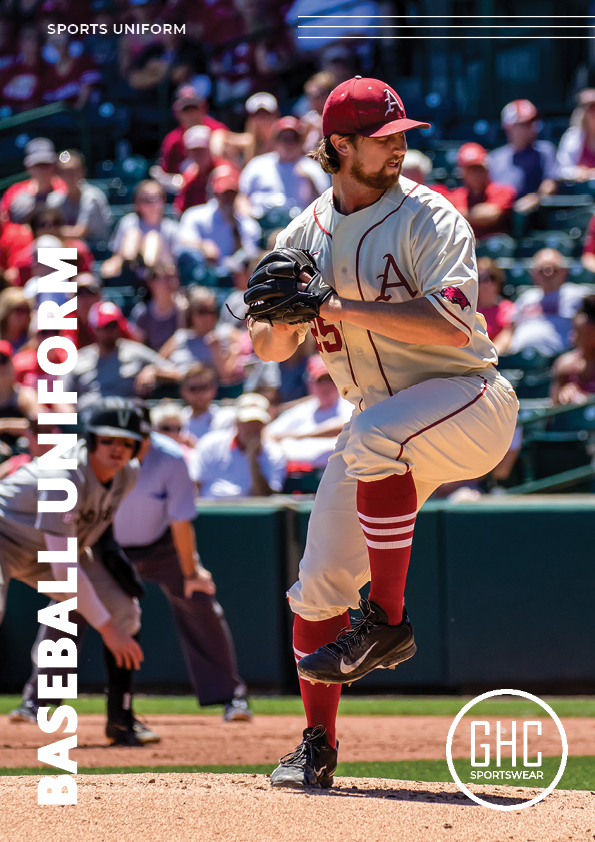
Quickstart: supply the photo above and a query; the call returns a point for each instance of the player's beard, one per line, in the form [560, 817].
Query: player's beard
[378, 180]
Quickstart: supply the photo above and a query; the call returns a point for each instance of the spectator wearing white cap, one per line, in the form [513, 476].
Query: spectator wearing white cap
[240, 462]
[525, 162]
[307, 431]
[262, 111]
[218, 229]
[285, 177]
[416, 166]
[23, 198]
[576, 151]
[190, 109]
[193, 191]
[84, 207]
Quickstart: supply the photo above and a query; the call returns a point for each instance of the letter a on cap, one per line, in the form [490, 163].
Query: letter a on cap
[391, 101]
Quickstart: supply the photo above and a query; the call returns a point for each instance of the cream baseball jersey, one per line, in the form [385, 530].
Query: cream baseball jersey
[412, 243]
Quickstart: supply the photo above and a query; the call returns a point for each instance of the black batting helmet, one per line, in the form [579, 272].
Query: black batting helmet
[116, 417]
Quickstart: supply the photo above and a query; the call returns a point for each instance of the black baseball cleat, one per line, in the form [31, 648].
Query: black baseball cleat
[130, 732]
[371, 643]
[313, 763]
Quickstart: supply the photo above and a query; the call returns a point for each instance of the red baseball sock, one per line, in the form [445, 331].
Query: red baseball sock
[320, 702]
[387, 512]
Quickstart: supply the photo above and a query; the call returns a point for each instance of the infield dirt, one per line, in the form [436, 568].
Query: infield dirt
[207, 740]
[244, 808]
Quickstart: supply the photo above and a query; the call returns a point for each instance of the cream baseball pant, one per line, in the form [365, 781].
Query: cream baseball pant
[442, 430]
[125, 610]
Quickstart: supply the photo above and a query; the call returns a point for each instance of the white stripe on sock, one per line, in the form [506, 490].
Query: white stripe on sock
[389, 545]
[397, 519]
[399, 531]
[299, 654]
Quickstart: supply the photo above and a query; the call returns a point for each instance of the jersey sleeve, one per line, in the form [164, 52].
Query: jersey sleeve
[443, 252]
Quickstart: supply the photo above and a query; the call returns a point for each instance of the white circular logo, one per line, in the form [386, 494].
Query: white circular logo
[489, 695]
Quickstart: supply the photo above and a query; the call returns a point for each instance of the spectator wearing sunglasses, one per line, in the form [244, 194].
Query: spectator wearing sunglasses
[190, 109]
[497, 311]
[193, 190]
[15, 317]
[284, 177]
[167, 420]
[144, 237]
[84, 207]
[219, 229]
[17, 402]
[114, 365]
[543, 315]
[157, 319]
[47, 222]
[22, 199]
[198, 390]
[203, 341]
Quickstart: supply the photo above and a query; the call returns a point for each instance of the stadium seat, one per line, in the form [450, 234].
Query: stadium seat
[536, 240]
[579, 418]
[528, 371]
[498, 245]
[546, 454]
[125, 297]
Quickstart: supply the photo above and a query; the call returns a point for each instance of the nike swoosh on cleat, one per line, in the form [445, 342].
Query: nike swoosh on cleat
[347, 668]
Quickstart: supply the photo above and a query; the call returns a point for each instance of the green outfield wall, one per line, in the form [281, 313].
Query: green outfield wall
[501, 593]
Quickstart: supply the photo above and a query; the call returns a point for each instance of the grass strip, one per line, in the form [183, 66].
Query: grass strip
[350, 705]
[579, 773]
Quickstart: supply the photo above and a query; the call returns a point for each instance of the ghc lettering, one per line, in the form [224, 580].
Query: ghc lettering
[500, 742]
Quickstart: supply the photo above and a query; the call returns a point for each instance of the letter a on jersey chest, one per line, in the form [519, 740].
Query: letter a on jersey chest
[392, 278]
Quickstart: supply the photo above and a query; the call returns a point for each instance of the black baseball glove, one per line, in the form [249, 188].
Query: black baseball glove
[273, 294]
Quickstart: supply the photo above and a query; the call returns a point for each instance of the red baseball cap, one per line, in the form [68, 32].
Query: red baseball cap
[518, 111]
[6, 348]
[316, 368]
[224, 178]
[366, 107]
[287, 124]
[104, 313]
[472, 154]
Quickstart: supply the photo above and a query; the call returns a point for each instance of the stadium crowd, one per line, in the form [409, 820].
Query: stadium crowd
[160, 281]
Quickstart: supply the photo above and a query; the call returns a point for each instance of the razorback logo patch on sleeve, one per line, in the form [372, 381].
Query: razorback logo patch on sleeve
[455, 296]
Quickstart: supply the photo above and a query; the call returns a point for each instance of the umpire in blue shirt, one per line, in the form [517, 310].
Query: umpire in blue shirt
[154, 526]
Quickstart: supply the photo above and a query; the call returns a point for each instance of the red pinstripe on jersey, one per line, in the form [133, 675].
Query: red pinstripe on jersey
[446, 417]
[359, 245]
[317, 221]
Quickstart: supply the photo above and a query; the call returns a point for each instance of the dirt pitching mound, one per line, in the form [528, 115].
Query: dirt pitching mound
[244, 808]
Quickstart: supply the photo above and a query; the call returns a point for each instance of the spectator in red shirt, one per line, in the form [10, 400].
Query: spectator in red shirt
[190, 109]
[13, 238]
[195, 177]
[34, 449]
[71, 77]
[49, 221]
[486, 205]
[21, 79]
[497, 311]
[588, 256]
[23, 198]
